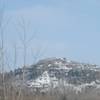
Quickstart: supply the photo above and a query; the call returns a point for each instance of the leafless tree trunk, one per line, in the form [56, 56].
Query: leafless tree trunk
[25, 44]
[2, 54]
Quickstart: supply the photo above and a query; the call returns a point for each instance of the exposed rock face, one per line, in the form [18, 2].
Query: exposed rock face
[54, 72]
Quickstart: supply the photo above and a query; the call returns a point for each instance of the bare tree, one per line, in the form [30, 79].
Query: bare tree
[25, 41]
[3, 25]
[2, 52]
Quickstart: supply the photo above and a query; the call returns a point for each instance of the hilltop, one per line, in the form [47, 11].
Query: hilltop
[57, 73]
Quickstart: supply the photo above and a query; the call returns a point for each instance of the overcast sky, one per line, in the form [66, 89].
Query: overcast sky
[64, 28]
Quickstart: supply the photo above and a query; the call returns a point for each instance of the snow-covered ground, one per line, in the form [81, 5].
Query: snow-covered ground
[45, 81]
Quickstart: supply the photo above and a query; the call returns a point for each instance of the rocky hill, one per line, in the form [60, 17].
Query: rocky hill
[57, 73]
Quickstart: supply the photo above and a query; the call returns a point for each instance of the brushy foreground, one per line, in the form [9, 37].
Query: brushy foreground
[10, 93]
